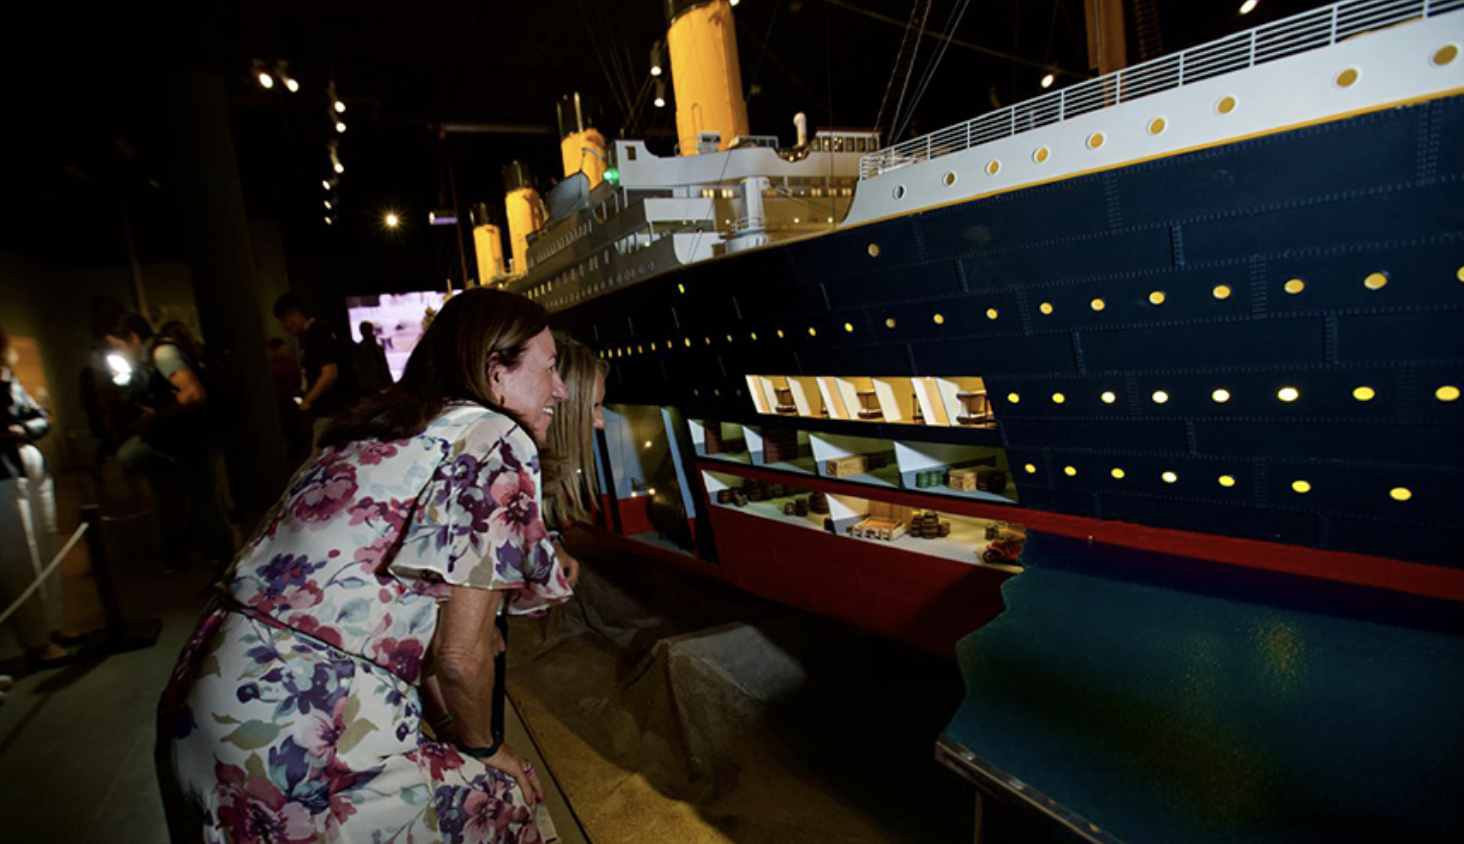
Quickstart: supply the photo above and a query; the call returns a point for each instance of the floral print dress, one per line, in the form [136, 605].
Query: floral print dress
[294, 714]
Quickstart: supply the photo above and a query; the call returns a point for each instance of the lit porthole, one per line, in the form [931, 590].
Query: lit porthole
[1226, 105]
[729, 338]
[890, 322]
[1097, 304]
[640, 350]
[1400, 493]
[717, 392]
[938, 319]
[992, 313]
[874, 250]
[1288, 394]
[1300, 487]
[1031, 470]
[1459, 274]
[1170, 477]
[1375, 281]
[812, 332]
[1220, 396]
[1109, 397]
[1014, 397]
[1221, 292]
[1070, 471]
[1058, 398]
[708, 340]
[1157, 126]
[1096, 140]
[899, 192]
[1045, 308]
[1364, 394]
[780, 333]
[1448, 392]
[1117, 473]
[1160, 397]
[1295, 286]
[1346, 79]
[1445, 55]
[849, 327]
[653, 347]
[753, 335]
[1227, 481]
[681, 288]
[1041, 154]
[948, 179]
[1157, 297]
[688, 342]
[993, 167]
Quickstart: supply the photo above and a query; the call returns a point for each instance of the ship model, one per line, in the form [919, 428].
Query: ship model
[1209, 305]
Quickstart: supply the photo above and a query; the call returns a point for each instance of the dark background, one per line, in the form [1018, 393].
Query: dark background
[85, 138]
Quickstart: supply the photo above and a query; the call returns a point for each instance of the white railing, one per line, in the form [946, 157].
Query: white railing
[1308, 31]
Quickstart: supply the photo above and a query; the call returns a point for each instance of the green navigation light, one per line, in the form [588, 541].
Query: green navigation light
[612, 175]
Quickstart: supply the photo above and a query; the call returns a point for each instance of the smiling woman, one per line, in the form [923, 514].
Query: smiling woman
[368, 606]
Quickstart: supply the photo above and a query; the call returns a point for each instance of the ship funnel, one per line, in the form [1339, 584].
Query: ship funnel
[800, 124]
[581, 145]
[488, 243]
[524, 210]
[708, 82]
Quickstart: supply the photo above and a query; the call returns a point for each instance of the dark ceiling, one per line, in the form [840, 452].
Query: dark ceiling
[87, 136]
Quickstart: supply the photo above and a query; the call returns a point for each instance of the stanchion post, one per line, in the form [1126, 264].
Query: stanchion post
[96, 545]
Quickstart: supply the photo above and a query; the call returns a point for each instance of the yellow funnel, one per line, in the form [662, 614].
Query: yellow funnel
[708, 82]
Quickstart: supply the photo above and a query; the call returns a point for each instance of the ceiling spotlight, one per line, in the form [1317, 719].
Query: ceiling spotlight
[329, 220]
[660, 101]
[1048, 80]
[1249, 6]
[325, 183]
[340, 126]
[735, 2]
[340, 107]
[660, 94]
[339, 167]
[392, 220]
[327, 205]
[265, 80]
[292, 85]
[656, 59]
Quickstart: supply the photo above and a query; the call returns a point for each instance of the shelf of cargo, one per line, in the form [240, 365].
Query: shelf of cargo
[966, 543]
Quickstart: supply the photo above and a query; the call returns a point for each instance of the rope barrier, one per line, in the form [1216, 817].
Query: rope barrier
[55, 563]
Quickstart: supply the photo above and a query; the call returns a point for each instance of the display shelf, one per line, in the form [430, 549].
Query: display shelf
[656, 540]
[719, 440]
[985, 435]
[965, 544]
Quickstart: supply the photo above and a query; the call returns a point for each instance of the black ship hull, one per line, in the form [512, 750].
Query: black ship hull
[1326, 260]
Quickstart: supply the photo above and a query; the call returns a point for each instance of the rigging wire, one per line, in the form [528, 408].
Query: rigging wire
[958, 12]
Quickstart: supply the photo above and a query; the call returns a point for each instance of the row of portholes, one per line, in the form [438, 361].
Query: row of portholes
[1289, 395]
[1299, 486]
[1156, 126]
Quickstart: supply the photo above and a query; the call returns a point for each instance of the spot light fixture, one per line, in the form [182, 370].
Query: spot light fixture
[1249, 6]
[392, 220]
[282, 70]
[660, 100]
[1048, 80]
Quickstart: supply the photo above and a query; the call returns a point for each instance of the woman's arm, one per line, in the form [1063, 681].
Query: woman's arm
[462, 651]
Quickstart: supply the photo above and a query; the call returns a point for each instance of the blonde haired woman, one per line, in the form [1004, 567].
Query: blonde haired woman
[571, 493]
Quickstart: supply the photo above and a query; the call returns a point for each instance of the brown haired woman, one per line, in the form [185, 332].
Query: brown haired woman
[571, 493]
[370, 596]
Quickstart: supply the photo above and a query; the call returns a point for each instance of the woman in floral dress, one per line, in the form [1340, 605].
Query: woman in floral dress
[366, 603]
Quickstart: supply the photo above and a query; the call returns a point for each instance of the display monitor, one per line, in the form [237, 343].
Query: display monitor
[397, 321]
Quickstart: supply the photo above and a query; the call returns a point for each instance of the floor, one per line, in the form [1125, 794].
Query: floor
[76, 743]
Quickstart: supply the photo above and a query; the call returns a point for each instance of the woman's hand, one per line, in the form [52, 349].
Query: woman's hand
[510, 762]
[570, 565]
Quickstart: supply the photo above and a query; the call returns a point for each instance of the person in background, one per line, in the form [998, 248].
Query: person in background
[27, 519]
[330, 380]
[367, 608]
[172, 439]
[571, 492]
[287, 379]
[372, 372]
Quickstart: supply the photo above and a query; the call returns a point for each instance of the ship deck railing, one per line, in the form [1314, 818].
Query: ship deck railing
[1312, 30]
